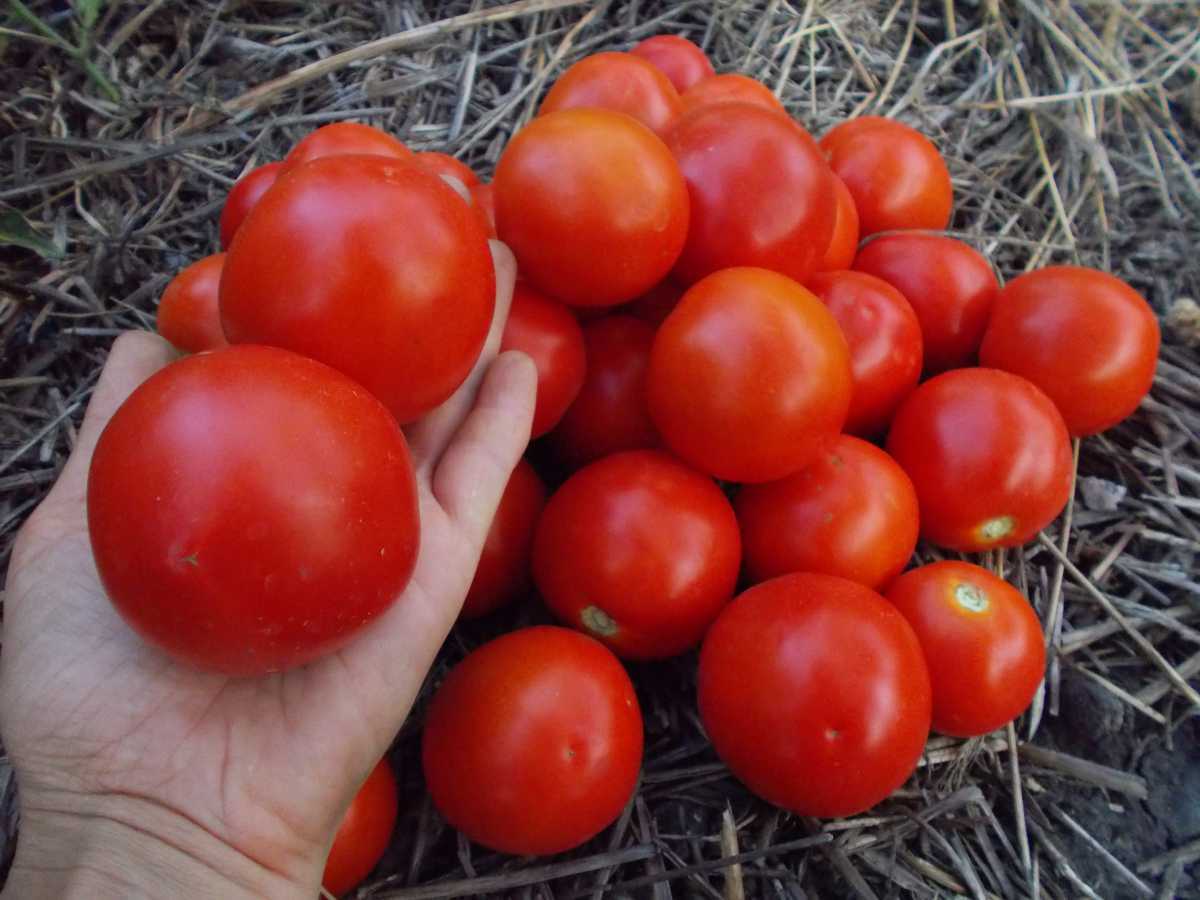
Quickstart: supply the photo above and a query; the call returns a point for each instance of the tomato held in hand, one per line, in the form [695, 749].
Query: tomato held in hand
[483, 196]
[676, 57]
[251, 509]
[621, 82]
[188, 314]
[344, 139]
[445, 164]
[989, 456]
[243, 197]
[844, 243]
[375, 268]
[639, 551]
[814, 692]
[852, 513]
[364, 833]
[730, 88]
[1085, 337]
[749, 377]
[533, 743]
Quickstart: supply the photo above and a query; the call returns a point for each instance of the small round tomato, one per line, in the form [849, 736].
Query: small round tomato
[730, 88]
[844, 243]
[1085, 337]
[377, 269]
[676, 57]
[982, 641]
[251, 509]
[656, 304]
[989, 456]
[579, 191]
[896, 176]
[814, 692]
[445, 164]
[342, 139]
[533, 743]
[188, 314]
[242, 198]
[621, 82]
[364, 833]
[949, 284]
[639, 551]
[761, 195]
[852, 513]
[884, 337]
[749, 377]
[483, 197]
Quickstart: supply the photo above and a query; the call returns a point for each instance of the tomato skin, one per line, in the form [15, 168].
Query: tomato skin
[533, 743]
[730, 88]
[989, 456]
[251, 509]
[896, 176]
[656, 304]
[1085, 337]
[738, 160]
[242, 198]
[852, 512]
[982, 641]
[445, 164]
[621, 82]
[483, 197]
[639, 551]
[364, 833]
[676, 57]
[886, 348]
[749, 377]
[188, 316]
[341, 139]
[607, 181]
[377, 269]
[844, 243]
[814, 692]
[949, 284]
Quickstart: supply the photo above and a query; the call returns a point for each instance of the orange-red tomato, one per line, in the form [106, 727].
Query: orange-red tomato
[676, 57]
[621, 82]
[656, 304]
[483, 196]
[844, 243]
[343, 138]
[445, 164]
[242, 198]
[364, 833]
[729, 88]
[188, 314]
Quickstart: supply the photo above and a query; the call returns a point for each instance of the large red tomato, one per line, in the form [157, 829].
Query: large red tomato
[341, 139]
[639, 551]
[188, 315]
[364, 833]
[844, 243]
[760, 192]
[676, 57]
[251, 509]
[989, 456]
[896, 176]
[533, 743]
[592, 204]
[377, 269]
[749, 377]
[729, 88]
[950, 285]
[445, 164]
[814, 692]
[242, 198]
[982, 641]
[621, 82]
[852, 513]
[1085, 337]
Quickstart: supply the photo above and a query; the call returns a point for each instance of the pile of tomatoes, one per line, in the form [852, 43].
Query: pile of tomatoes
[718, 306]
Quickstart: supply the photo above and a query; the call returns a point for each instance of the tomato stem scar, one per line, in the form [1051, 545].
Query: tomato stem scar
[970, 597]
[598, 621]
[997, 528]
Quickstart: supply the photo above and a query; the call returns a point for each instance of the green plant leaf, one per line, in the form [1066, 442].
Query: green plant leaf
[88, 11]
[14, 229]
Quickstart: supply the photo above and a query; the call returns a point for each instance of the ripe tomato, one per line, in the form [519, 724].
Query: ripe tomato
[242, 198]
[621, 82]
[377, 269]
[740, 163]
[445, 164]
[364, 833]
[251, 509]
[950, 285]
[885, 343]
[656, 304]
[988, 454]
[730, 88]
[1086, 338]
[639, 551]
[982, 641]
[749, 377]
[342, 139]
[676, 57]
[844, 243]
[852, 512]
[533, 743]
[483, 196]
[814, 692]
[188, 316]
[607, 182]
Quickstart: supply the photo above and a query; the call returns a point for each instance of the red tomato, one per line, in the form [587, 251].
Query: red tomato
[621, 82]
[377, 269]
[639, 551]
[749, 377]
[580, 189]
[950, 285]
[1086, 338]
[656, 304]
[885, 342]
[188, 316]
[989, 456]
[533, 743]
[730, 88]
[676, 57]
[844, 243]
[814, 692]
[445, 164]
[341, 139]
[851, 513]
[610, 413]
[242, 198]
[251, 509]
[484, 198]
[896, 176]
[741, 163]
[364, 833]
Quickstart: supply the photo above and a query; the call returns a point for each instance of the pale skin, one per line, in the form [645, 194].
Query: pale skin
[142, 777]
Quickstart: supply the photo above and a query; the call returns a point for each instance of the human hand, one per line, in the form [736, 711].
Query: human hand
[139, 776]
